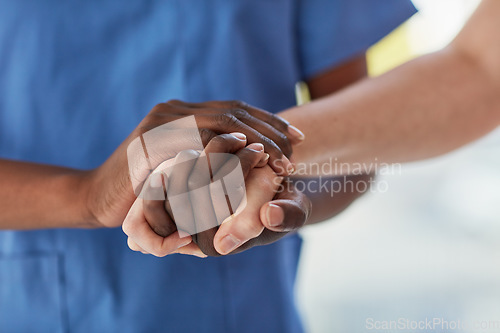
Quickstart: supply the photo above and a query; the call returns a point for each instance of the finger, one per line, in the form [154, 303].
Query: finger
[249, 157]
[178, 191]
[263, 161]
[214, 120]
[219, 150]
[293, 134]
[223, 123]
[162, 136]
[273, 120]
[174, 110]
[289, 210]
[192, 250]
[260, 126]
[203, 187]
[133, 246]
[206, 135]
[245, 224]
[154, 205]
[294, 218]
[137, 228]
[228, 185]
[199, 197]
[225, 189]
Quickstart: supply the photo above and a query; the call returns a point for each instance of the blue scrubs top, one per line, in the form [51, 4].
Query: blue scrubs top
[77, 76]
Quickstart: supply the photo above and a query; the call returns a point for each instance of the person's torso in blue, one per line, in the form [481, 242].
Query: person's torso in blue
[77, 76]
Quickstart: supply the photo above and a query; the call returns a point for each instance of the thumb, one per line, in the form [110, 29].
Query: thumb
[289, 210]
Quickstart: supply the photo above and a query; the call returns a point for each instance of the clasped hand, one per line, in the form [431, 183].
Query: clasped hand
[179, 209]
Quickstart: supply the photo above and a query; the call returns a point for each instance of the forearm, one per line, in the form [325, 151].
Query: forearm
[34, 196]
[330, 196]
[422, 109]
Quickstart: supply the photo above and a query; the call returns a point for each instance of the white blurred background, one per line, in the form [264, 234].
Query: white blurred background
[429, 247]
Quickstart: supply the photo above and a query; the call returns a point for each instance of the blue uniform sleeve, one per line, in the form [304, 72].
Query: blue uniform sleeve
[332, 31]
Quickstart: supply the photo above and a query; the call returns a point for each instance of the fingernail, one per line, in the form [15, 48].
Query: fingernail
[156, 180]
[198, 253]
[265, 158]
[239, 136]
[184, 234]
[256, 146]
[295, 132]
[186, 242]
[275, 215]
[228, 244]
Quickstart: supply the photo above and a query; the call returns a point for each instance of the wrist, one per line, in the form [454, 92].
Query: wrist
[85, 210]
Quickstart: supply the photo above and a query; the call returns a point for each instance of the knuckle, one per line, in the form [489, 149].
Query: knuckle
[220, 140]
[246, 228]
[270, 145]
[277, 121]
[175, 102]
[252, 228]
[131, 244]
[160, 250]
[284, 144]
[226, 120]
[159, 108]
[159, 253]
[128, 228]
[188, 154]
[237, 104]
[143, 128]
[239, 113]
[248, 159]
[206, 135]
